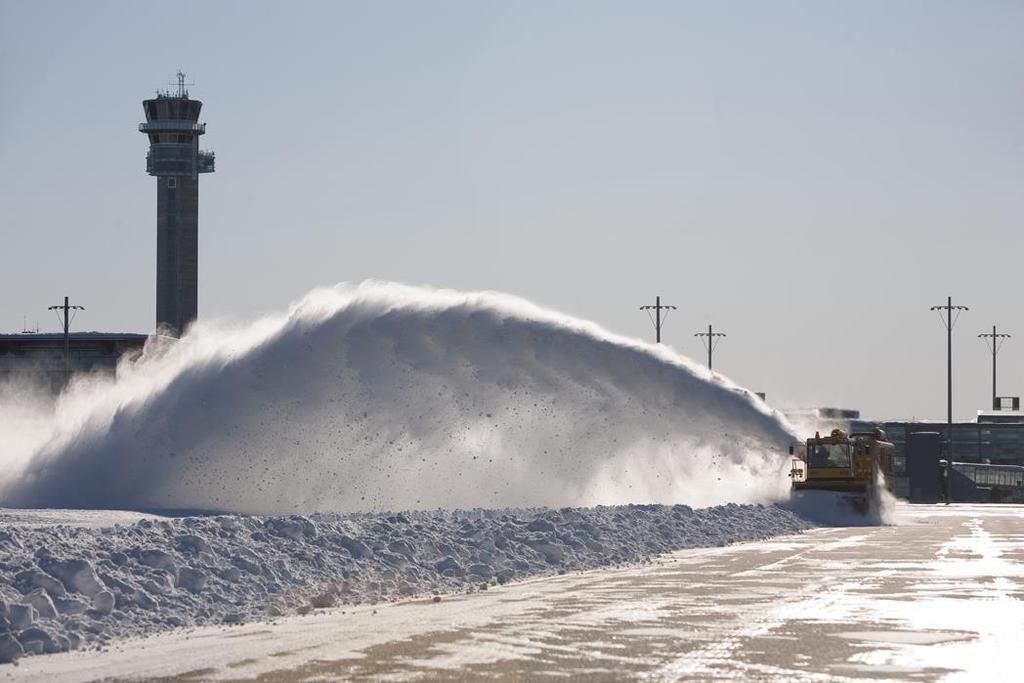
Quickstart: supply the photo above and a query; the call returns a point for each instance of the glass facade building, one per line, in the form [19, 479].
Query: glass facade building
[998, 443]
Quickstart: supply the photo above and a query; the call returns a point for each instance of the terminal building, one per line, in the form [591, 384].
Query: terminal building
[993, 442]
[38, 359]
[985, 457]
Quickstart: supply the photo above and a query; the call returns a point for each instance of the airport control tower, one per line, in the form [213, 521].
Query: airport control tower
[172, 124]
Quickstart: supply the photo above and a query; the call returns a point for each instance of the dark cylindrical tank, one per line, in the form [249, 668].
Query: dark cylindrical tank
[924, 450]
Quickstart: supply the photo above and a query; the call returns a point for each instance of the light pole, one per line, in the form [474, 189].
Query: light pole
[946, 313]
[995, 342]
[710, 340]
[657, 319]
[67, 308]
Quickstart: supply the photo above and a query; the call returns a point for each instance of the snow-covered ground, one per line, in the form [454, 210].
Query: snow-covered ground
[68, 581]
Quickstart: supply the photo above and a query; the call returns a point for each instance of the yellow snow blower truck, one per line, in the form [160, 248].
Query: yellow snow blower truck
[857, 466]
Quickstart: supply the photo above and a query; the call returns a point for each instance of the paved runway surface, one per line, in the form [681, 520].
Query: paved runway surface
[937, 596]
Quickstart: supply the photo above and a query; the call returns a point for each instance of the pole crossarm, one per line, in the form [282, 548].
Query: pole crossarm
[61, 308]
[949, 314]
[716, 336]
[994, 340]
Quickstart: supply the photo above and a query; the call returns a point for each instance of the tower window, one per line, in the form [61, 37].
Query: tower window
[172, 182]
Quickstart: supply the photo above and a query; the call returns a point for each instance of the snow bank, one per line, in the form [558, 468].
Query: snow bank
[68, 586]
[381, 397]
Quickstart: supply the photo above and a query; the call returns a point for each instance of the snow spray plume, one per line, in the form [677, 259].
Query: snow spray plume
[383, 396]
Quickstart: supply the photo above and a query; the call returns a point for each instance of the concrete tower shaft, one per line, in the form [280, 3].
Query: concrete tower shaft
[172, 125]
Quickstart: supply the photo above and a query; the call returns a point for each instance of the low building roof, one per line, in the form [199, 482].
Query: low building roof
[85, 336]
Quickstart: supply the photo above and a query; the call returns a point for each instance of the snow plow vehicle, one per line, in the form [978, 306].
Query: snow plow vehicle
[857, 466]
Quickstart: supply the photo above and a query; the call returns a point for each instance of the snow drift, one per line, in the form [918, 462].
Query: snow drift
[65, 587]
[386, 397]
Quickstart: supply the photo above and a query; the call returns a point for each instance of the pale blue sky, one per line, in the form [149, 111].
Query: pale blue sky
[808, 176]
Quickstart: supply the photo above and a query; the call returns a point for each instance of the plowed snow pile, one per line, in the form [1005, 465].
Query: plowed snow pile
[386, 397]
[68, 587]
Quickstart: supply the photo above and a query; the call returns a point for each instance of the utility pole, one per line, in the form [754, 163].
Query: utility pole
[710, 340]
[67, 308]
[946, 313]
[995, 342]
[656, 319]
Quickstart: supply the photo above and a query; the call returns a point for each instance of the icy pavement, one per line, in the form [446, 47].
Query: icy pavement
[936, 597]
[72, 583]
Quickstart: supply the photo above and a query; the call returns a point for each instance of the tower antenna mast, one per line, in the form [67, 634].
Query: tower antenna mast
[182, 93]
[657, 319]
